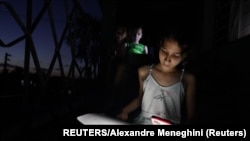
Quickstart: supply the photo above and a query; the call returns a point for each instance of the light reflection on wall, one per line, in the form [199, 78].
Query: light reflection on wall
[239, 19]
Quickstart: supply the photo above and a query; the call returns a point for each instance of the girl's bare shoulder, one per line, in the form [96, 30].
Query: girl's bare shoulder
[189, 77]
[144, 70]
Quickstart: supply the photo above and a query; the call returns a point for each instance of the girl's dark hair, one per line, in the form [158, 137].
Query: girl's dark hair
[178, 37]
[181, 38]
[121, 28]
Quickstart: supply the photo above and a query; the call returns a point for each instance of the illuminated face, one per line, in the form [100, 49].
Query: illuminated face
[137, 35]
[170, 54]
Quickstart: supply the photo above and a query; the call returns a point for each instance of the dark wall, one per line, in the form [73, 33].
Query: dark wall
[223, 84]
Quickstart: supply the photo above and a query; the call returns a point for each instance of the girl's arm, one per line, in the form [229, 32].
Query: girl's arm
[142, 72]
[146, 49]
[190, 97]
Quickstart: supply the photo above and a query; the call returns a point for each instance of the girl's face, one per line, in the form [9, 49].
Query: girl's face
[137, 35]
[170, 54]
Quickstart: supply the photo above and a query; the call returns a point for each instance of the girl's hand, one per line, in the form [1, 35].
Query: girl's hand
[123, 116]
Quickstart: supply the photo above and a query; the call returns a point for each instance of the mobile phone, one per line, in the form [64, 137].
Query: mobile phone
[160, 121]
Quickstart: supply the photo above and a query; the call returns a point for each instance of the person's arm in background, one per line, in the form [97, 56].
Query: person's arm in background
[190, 98]
[142, 73]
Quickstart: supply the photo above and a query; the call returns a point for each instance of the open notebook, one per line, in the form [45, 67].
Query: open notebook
[102, 119]
[99, 119]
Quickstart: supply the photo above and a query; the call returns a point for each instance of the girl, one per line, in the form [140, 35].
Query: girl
[164, 88]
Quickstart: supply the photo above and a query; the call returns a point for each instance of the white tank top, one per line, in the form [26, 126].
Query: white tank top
[161, 101]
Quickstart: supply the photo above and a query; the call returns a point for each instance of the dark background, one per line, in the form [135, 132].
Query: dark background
[219, 65]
